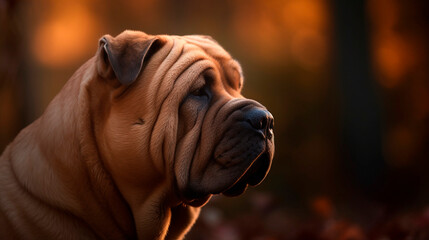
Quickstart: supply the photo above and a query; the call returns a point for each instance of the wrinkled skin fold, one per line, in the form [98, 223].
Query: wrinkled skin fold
[136, 142]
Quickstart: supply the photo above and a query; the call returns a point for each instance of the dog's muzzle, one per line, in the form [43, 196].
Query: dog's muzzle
[258, 151]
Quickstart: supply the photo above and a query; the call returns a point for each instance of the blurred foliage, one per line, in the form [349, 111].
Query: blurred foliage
[288, 50]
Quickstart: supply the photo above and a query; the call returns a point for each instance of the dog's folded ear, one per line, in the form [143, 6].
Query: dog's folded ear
[124, 55]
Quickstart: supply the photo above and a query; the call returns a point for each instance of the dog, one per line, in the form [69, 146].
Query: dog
[135, 143]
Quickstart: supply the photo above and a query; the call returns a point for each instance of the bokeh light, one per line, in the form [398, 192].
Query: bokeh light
[65, 34]
[289, 51]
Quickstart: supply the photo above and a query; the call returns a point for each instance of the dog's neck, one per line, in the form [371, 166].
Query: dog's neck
[64, 154]
[61, 160]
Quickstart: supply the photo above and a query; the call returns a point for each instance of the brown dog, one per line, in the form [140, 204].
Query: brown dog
[140, 137]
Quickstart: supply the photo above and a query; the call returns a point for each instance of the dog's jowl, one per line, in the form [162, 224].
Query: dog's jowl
[136, 142]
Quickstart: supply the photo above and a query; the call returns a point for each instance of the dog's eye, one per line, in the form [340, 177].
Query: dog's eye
[200, 92]
[201, 88]
[203, 91]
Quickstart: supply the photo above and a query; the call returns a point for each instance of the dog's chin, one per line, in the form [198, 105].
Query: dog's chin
[253, 176]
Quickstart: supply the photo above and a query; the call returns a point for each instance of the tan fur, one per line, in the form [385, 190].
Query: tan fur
[86, 170]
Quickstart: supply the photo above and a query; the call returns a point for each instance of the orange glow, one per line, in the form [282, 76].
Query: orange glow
[307, 22]
[294, 29]
[392, 60]
[65, 36]
[299, 14]
[394, 53]
[323, 207]
[354, 232]
[420, 96]
[384, 15]
[256, 28]
[308, 47]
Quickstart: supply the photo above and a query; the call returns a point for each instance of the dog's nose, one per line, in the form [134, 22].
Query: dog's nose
[261, 119]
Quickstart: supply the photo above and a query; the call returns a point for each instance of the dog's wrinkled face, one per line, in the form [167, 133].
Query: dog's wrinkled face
[185, 118]
[235, 144]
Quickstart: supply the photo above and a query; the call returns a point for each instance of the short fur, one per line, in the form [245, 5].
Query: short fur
[130, 148]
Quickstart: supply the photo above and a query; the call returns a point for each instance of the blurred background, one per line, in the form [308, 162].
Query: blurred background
[347, 83]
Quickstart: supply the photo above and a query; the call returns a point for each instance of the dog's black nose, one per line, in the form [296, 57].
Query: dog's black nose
[261, 119]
